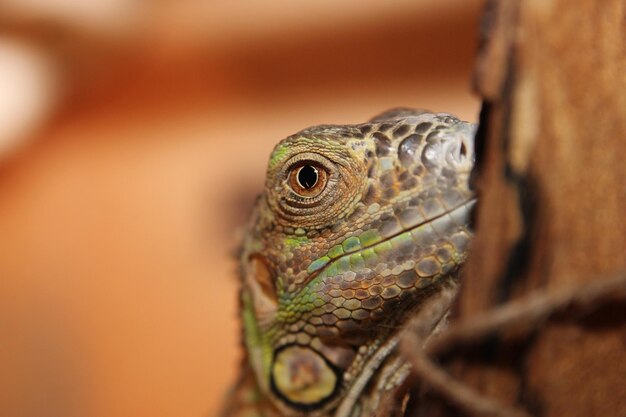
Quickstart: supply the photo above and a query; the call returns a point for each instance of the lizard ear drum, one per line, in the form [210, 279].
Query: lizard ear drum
[303, 378]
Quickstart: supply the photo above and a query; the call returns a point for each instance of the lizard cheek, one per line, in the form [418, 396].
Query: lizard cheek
[303, 378]
[260, 281]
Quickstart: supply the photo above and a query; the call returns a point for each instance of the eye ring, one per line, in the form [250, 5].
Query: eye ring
[307, 178]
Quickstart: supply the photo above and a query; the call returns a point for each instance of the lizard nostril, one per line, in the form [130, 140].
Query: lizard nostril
[466, 151]
[449, 150]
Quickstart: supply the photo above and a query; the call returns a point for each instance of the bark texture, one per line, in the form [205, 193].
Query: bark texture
[551, 223]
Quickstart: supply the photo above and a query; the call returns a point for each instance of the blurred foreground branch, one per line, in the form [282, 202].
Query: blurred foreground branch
[542, 310]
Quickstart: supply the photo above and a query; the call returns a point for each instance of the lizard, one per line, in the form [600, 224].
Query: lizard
[358, 225]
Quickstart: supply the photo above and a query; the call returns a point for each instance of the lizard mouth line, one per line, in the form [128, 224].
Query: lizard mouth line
[466, 205]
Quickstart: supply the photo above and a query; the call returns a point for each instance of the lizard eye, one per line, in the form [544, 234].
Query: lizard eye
[307, 176]
[307, 179]
[311, 190]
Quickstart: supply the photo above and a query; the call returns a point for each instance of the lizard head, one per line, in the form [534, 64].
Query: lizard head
[357, 226]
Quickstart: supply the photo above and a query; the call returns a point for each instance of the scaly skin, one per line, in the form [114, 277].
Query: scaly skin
[357, 226]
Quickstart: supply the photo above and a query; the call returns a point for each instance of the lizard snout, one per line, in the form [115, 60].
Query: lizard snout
[452, 149]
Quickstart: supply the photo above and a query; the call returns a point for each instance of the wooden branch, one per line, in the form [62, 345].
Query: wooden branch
[551, 222]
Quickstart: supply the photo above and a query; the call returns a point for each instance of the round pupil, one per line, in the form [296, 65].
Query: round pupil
[307, 177]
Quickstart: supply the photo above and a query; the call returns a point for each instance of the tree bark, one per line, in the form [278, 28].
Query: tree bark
[550, 245]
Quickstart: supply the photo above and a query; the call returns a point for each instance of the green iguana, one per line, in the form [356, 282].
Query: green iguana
[357, 226]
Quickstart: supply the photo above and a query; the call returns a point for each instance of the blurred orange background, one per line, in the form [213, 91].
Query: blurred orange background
[133, 139]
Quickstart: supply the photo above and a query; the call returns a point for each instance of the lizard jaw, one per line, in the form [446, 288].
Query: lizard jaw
[394, 373]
